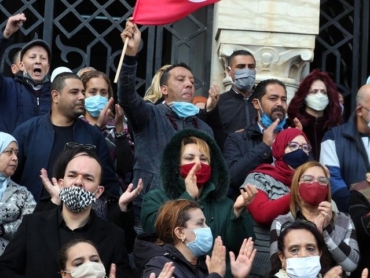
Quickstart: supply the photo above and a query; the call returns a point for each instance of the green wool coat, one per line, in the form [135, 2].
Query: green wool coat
[217, 208]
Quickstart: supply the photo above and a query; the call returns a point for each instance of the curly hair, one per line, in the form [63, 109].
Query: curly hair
[297, 105]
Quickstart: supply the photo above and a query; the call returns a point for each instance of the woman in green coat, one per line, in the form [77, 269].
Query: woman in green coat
[193, 168]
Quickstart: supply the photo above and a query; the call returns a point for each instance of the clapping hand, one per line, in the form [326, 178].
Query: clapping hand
[326, 210]
[52, 187]
[246, 196]
[130, 194]
[213, 97]
[191, 181]
[105, 114]
[118, 118]
[217, 263]
[334, 272]
[241, 266]
[166, 272]
[269, 133]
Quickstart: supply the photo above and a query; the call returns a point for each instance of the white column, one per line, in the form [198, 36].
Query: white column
[279, 33]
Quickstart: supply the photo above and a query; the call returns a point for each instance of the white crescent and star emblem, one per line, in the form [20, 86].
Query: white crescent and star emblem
[197, 1]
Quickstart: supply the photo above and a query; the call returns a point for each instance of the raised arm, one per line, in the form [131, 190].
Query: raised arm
[136, 109]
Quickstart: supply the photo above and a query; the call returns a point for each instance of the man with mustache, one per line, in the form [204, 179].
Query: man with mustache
[42, 139]
[246, 150]
[27, 94]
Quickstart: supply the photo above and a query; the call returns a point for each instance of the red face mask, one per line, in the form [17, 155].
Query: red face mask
[203, 175]
[313, 193]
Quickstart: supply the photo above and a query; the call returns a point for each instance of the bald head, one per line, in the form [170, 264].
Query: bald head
[363, 95]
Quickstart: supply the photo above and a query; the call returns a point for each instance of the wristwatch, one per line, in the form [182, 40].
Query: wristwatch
[119, 135]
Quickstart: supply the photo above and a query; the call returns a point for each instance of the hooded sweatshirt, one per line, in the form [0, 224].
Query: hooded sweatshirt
[217, 208]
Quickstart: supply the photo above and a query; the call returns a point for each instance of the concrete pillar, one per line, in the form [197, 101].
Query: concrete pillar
[279, 33]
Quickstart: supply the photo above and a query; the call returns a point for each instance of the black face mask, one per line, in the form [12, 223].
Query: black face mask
[296, 158]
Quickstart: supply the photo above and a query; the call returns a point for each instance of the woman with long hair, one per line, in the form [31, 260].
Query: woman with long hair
[316, 105]
[311, 200]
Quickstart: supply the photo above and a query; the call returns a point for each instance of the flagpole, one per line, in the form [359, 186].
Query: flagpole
[121, 60]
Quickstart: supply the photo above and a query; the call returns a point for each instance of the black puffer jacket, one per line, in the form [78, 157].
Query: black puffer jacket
[243, 152]
[150, 258]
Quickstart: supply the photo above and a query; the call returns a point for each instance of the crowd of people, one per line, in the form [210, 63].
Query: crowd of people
[239, 184]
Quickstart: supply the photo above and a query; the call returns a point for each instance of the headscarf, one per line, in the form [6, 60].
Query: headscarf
[5, 140]
[281, 171]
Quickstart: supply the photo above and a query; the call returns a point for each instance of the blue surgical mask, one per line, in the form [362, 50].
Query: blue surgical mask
[296, 158]
[203, 242]
[184, 109]
[95, 104]
[266, 121]
[244, 79]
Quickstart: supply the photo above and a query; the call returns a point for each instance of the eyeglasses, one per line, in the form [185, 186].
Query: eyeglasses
[74, 145]
[295, 146]
[311, 179]
[296, 222]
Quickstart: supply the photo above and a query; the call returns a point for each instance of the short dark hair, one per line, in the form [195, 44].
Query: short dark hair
[59, 81]
[301, 225]
[166, 74]
[63, 254]
[16, 55]
[260, 89]
[240, 52]
[67, 155]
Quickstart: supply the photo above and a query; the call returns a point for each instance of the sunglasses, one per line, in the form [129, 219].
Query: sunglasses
[295, 146]
[310, 179]
[74, 145]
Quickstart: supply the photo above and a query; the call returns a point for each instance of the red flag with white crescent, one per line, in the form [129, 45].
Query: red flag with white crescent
[161, 12]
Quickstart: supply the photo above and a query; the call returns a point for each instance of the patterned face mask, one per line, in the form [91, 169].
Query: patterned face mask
[76, 198]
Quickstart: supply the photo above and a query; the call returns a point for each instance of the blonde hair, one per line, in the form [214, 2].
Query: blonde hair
[201, 144]
[295, 202]
[154, 92]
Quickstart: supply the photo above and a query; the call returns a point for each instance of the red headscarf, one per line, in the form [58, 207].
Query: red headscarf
[281, 171]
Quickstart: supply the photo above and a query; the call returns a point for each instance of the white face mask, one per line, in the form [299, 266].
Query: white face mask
[88, 270]
[307, 267]
[317, 102]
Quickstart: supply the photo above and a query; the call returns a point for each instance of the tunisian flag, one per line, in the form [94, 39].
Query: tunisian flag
[162, 12]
